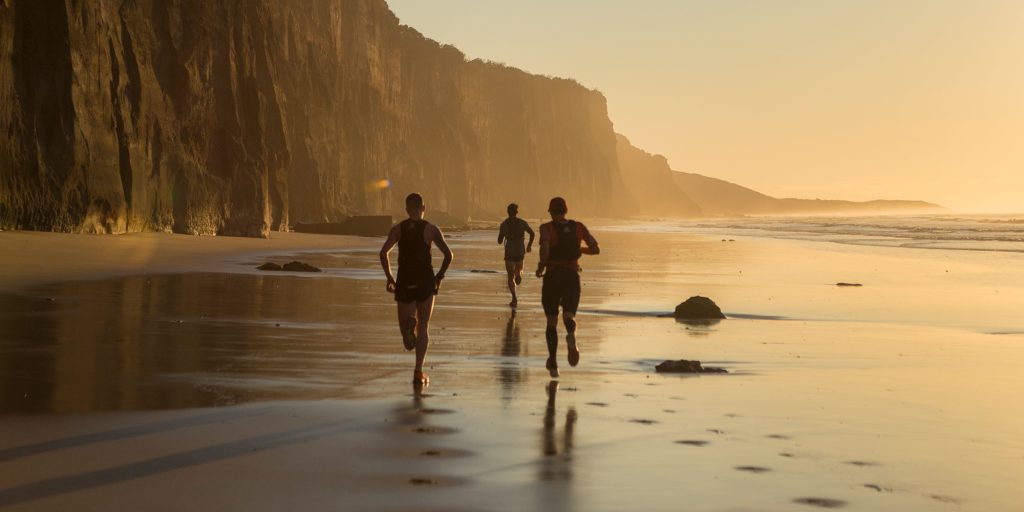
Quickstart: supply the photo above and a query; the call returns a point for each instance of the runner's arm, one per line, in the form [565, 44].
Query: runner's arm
[442, 245]
[385, 263]
[545, 247]
[591, 248]
[501, 233]
[529, 246]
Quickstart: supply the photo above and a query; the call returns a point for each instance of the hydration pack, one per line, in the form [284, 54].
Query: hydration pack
[566, 246]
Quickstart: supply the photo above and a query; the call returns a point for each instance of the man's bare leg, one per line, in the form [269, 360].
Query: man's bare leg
[423, 311]
[519, 273]
[552, 338]
[570, 339]
[510, 271]
[407, 323]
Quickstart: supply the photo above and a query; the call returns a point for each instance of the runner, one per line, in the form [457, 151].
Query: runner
[512, 232]
[559, 266]
[417, 284]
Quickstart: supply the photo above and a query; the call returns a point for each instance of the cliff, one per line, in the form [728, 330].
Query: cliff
[649, 182]
[656, 189]
[244, 117]
[717, 197]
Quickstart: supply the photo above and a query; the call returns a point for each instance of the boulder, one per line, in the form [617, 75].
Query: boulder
[270, 266]
[684, 366]
[698, 308]
[298, 266]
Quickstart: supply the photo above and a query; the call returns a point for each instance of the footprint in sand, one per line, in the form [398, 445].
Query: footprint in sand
[716, 431]
[777, 436]
[945, 499]
[631, 395]
[643, 421]
[753, 469]
[444, 453]
[861, 463]
[670, 411]
[597, 404]
[692, 442]
[438, 481]
[434, 430]
[786, 454]
[878, 488]
[429, 410]
[820, 502]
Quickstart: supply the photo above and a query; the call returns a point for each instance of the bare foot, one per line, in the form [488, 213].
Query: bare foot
[420, 379]
[552, 367]
[519, 279]
[409, 333]
[574, 351]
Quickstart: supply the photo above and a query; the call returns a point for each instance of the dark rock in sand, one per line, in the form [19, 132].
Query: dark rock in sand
[684, 366]
[698, 308]
[849, 284]
[270, 266]
[298, 266]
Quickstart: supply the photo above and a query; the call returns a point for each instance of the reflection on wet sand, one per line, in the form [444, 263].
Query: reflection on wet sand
[510, 372]
[556, 464]
[170, 341]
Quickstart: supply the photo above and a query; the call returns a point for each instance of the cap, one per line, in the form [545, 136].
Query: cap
[557, 205]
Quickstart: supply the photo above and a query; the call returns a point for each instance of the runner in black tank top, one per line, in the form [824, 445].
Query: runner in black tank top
[417, 284]
[415, 270]
[560, 252]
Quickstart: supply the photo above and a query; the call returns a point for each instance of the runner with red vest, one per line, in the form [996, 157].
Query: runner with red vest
[560, 252]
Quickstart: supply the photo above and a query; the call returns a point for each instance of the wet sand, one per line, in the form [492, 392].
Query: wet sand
[223, 387]
[29, 258]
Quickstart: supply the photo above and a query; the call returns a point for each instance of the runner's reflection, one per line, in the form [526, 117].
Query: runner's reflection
[557, 462]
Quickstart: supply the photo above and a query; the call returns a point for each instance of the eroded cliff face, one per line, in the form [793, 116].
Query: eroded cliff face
[650, 182]
[241, 117]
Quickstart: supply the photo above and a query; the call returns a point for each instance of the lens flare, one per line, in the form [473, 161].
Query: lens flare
[380, 184]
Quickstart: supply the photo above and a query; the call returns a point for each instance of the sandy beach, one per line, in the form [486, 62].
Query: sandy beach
[162, 372]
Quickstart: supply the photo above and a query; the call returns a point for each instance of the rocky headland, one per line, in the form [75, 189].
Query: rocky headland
[240, 118]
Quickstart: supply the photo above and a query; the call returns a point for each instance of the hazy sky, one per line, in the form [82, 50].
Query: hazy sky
[907, 99]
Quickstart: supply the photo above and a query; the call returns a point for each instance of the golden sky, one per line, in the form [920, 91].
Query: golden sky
[838, 99]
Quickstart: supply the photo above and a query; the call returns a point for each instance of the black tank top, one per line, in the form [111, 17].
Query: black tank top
[566, 248]
[413, 251]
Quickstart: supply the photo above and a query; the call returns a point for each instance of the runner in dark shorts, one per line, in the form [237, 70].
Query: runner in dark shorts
[417, 284]
[559, 266]
[512, 232]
